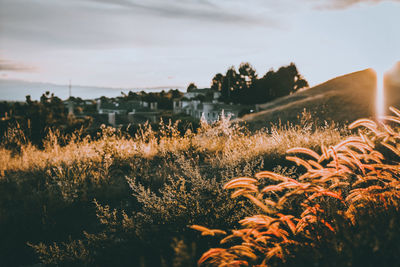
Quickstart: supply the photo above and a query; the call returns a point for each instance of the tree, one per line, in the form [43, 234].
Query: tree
[230, 85]
[216, 83]
[247, 74]
[245, 87]
[191, 87]
[299, 81]
[288, 80]
[175, 93]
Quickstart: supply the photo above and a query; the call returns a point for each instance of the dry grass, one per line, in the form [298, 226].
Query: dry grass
[228, 143]
[174, 178]
[341, 184]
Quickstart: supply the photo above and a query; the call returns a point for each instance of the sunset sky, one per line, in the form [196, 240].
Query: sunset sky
[148, 43]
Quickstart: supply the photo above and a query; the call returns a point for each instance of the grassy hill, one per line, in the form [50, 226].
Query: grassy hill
[342, 99]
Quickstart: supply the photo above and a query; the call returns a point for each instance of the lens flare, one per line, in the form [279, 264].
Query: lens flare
[380, 100]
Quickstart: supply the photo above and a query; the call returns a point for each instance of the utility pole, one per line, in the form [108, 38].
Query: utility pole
[69, 89]
[70, 103]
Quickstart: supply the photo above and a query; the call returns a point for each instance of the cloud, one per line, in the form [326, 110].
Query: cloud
[203, 10]
[56, 24]
[343, 4]
[103, 24]
[8, 65]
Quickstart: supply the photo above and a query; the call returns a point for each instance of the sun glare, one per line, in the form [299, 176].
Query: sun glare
[380, 100]
[380, 105]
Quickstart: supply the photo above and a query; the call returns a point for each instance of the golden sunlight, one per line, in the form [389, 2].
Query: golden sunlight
[380, 100]
[380, 70]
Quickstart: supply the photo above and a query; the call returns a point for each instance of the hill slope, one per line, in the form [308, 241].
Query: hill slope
[342, 99]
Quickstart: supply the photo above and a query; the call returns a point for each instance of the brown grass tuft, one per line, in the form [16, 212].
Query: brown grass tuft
[307, 211]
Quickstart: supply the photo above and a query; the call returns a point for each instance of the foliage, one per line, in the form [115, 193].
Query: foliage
[36, 118]
[244, 87]
[191, 87]
[163, 98]
[147, 188]
[343, 211]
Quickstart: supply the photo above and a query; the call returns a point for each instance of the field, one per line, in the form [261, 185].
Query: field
[117, 200]
[183, 133]
[288, 195]
[342, 211]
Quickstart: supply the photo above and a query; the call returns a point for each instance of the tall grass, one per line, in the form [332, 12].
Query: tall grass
[117, 199]
[343, 211]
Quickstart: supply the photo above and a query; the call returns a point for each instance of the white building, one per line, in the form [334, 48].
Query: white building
[210, 109]
[205, 92]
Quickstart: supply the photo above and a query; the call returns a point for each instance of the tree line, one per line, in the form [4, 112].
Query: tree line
[244, 86]
[164, 98]
[35, 118]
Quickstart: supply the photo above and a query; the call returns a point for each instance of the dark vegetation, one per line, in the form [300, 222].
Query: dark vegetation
[164, 99]
[343, 211]
[343, 100]
[118, 200]
[36, 118]
[245, 87]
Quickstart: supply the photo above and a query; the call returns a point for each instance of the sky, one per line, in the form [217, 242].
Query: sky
[170, 43]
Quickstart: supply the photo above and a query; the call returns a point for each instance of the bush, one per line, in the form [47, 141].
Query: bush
[147, 189]
[343, 211]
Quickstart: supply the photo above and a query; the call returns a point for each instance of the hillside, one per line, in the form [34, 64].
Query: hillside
[342, 99]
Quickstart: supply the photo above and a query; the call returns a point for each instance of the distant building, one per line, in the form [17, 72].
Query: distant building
[124, 112]
[141, 116]
[210, 108]
[202, 92]
[117, 107]
[77, 106]
[211, 111]
[180, 104]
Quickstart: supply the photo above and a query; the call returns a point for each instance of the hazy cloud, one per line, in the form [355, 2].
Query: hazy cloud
[8, 65]
[343, 4]
[157, 42]
[118, 23]
[189, 9]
